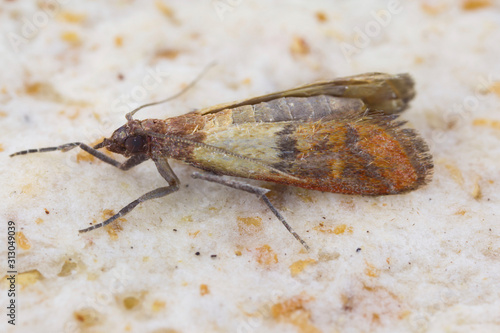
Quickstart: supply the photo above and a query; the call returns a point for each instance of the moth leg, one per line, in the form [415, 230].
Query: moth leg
[258, 191]
[130, 163]
[173, 185]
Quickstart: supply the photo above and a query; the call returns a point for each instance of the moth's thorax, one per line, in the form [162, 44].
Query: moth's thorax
[157, 126]
[185, 125]
[179, 134]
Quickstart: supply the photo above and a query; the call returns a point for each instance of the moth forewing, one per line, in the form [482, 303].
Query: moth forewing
[324, 148]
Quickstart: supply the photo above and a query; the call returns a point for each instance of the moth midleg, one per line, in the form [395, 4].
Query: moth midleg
[167, 174]
[258, 191]
[130, 163]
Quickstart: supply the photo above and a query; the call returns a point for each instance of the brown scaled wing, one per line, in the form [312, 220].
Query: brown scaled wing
[337, 136]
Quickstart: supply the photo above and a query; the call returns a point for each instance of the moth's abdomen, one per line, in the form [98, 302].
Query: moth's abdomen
[297, 108]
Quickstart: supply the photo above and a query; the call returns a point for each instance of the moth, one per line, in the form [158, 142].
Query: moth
[337, 136]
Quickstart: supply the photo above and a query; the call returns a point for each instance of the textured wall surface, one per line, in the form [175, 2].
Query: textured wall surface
[213, 259]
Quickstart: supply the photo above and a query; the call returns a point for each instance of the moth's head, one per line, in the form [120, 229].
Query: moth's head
[127, 140]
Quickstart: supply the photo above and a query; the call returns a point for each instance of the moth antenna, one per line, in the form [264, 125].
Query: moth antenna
[129, 115]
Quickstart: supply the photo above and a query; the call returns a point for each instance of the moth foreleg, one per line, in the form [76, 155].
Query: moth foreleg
[130, 163]
[258, 191]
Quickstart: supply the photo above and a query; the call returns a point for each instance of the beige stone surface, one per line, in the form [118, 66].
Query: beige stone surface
[212, 259]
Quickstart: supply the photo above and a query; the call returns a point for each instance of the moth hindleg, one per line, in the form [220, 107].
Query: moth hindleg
[258, 191]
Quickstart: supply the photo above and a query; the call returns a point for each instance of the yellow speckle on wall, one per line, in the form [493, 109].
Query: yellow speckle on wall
[476, 4]
[72, 17]
[249, 225]
[266, 256]
[71, 37]
[371, 270]
[22, 241]
[130, 302]
[28, 278]
[204, 290]
[300, 265]
[158, 306]
[495, 124]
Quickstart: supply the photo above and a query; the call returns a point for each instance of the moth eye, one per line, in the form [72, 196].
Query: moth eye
[135, 144]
